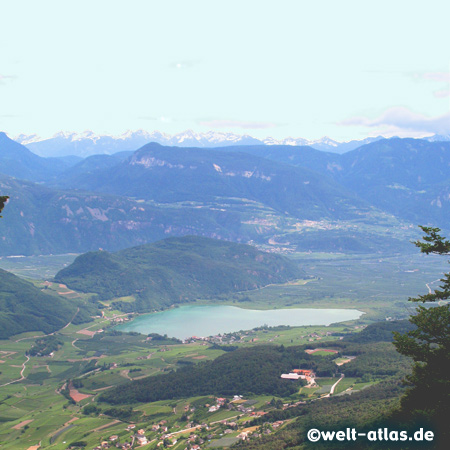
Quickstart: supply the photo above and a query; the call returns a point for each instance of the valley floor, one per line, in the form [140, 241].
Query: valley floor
[50, 401]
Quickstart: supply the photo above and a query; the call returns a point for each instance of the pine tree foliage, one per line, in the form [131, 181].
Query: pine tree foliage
[428, 344]
[3, 200]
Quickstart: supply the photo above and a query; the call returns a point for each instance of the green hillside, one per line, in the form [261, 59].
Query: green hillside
[247, 370]
[176, 270]
[24, 307]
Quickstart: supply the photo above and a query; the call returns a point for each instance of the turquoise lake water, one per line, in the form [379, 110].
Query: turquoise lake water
[209, 320]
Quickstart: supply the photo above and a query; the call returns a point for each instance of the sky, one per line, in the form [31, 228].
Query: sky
[344, 69]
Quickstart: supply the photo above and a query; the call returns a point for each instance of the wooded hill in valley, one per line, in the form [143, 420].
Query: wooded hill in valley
[257, 370]
[176, 270]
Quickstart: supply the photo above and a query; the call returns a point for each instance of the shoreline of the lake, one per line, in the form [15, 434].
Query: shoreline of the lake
[205, 320]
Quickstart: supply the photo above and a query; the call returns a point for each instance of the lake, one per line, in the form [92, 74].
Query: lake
[209, 320]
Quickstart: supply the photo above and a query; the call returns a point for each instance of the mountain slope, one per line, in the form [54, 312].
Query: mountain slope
[24, 307]
[17, 161]
[176, 270]
[307, 157]
[407, 177]
[94, 163]
[174, 174]
[41, 220]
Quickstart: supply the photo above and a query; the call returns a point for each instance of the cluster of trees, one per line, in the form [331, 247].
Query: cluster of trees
[380, 331]
[3, 200]
[257, 370]
[253, 370]
[428, 344]
[365, 410]
[45, 345]
[163, 339]
[375, 361]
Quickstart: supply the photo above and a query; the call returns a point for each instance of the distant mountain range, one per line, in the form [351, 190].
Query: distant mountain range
[175, 174]
[281, 196]
[409, 178]
[88, 143]
[17, 161]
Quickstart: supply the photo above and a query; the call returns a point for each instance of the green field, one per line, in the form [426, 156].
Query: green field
[34, 409]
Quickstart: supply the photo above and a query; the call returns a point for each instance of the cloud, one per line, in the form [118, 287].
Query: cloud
[437, 76]
[5, 78]
[147, 118]
[187, 64]
[442, 93]
[400, 120]
[237, 124]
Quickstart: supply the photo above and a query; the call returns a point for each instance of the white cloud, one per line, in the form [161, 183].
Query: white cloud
[442, 93]
[186, 64]
[237, 124]
[147, 118]
[400, 120]
[5, 78]
[437, 76]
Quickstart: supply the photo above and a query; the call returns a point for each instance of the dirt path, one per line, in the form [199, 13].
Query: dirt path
[102, 389]
[21, 373]
[114, 422]
[50, 334]
[124, 373]
[199, 426]
[31, 337]
[22, 424]
[78, 310]
[335, 384]
[43, 365]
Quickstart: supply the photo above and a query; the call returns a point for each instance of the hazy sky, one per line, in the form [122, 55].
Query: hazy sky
[346, 69]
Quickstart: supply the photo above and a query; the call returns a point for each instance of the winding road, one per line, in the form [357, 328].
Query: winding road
[21, 373]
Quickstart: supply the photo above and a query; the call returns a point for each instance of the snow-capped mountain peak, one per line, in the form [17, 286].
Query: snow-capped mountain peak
[88, 143]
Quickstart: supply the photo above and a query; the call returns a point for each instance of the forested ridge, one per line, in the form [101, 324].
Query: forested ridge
[366, 410]
[176, 270]
[253, 370]
[23, 307]
[257, 370]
